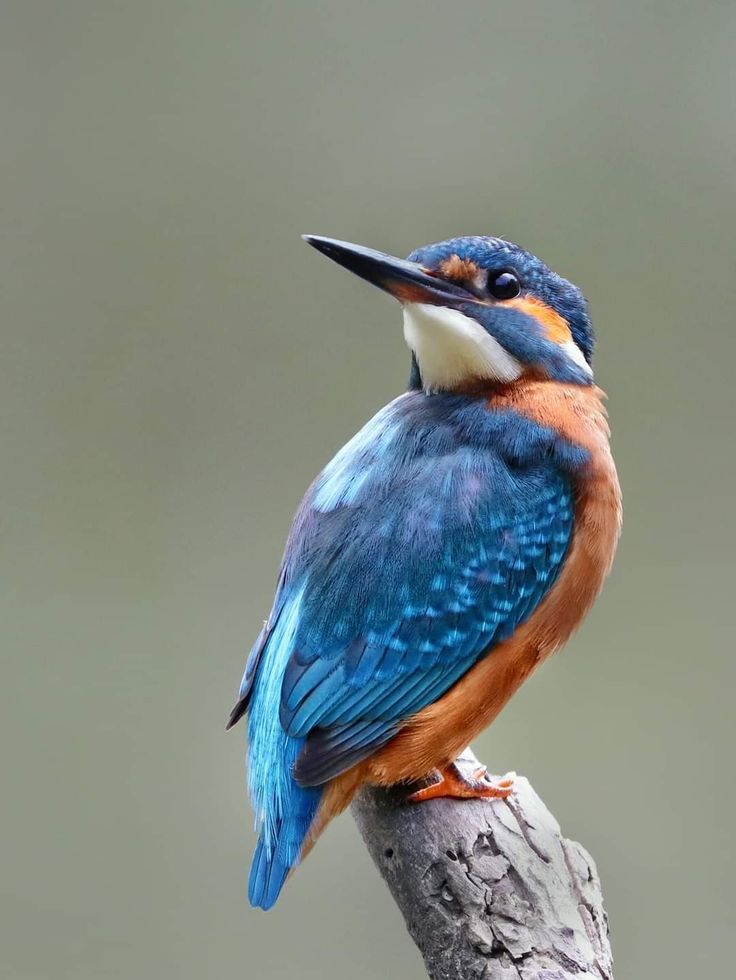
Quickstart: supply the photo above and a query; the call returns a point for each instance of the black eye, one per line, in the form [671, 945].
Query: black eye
[504, 284]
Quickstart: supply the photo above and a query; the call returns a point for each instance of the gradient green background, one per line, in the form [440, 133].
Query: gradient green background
[176, 366]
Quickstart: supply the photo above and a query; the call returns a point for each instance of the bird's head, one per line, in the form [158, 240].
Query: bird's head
[479, 310]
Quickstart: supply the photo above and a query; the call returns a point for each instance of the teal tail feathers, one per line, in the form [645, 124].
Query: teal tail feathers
[284, 809]
[277, 853]
[267, 877]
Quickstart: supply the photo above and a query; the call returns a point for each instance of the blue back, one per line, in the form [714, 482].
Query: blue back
[429, 537]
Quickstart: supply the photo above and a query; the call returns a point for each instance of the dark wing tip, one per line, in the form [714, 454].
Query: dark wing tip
[237, 713]
[328, 753]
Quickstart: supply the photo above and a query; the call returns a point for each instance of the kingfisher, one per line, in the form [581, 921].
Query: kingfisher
[445, 552]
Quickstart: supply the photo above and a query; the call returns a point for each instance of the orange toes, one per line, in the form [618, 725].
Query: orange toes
[507, 781]
[487, 789]
[451, 783]
[432, 792]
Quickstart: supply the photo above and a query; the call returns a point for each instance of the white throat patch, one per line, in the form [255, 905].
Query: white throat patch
[451, 348]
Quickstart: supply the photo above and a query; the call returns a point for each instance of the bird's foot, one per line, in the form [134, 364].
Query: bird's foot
[452, 783]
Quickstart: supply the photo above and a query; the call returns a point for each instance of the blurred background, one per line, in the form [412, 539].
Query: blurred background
[177, 365]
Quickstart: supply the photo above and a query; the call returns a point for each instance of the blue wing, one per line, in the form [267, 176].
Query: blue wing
[426, 541]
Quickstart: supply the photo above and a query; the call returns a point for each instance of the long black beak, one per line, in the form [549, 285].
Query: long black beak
[408, 282]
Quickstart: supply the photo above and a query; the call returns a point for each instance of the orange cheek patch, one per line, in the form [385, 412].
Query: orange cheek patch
[460, 270]
[555, 326]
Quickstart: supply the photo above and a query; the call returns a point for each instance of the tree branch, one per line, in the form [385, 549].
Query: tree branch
[489, 888]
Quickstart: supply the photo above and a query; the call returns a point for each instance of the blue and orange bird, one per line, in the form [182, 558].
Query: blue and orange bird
[447, 550]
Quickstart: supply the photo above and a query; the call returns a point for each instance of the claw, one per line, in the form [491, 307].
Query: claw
[452, 783]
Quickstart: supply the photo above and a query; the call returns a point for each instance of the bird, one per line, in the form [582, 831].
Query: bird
[450, 547]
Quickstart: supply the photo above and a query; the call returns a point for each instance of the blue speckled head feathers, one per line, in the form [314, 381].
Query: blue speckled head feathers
[536, 278]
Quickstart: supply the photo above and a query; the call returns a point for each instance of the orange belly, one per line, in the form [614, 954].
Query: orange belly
[436, 735]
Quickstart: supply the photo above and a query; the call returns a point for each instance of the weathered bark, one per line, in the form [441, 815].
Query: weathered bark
[489, 888]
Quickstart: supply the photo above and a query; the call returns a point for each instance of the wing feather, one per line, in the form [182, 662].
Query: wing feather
[415, 555]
